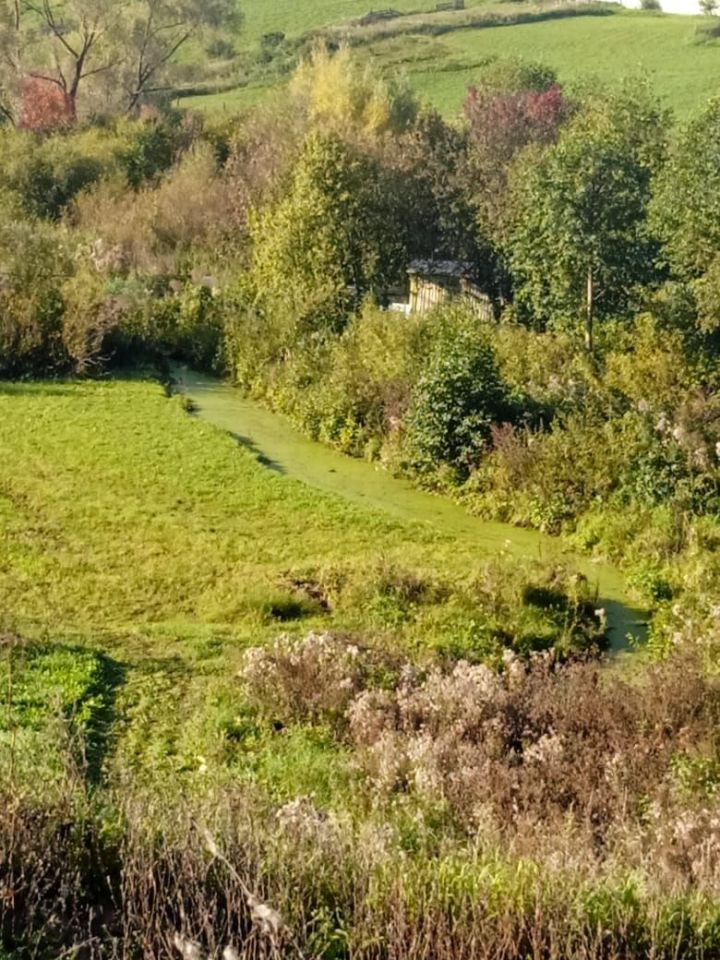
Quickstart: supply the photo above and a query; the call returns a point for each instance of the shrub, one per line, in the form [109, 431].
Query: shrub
[313, 678]
[650, 365]
[221, 49]
[160, 229]
[383, 591]
[354, 392]
[456, 400]
[35, 263]
[150, 152]
[164, 323]
[47, 175]
[45, 107]
[90, 316]
[538, 744]
[544, 372]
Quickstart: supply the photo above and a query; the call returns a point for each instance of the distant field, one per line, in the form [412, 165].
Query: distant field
[299, 16]
[685, 72]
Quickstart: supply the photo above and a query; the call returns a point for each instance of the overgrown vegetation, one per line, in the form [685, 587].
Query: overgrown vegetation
[256, 720]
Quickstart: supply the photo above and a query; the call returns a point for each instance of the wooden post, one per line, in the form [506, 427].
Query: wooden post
[589, 312]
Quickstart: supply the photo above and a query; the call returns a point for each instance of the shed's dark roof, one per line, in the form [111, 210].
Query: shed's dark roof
[442, 268]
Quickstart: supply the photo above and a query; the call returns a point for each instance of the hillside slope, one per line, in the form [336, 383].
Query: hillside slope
[441, 55]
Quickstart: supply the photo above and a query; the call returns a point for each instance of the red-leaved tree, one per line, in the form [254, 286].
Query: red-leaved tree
[503, 123]
[45, 106]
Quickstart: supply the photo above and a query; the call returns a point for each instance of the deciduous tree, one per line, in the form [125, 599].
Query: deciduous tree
[341, 95]
[436, 184]
[131, 47]
[513, 106]
[686, 211]
[331, 239]
[580, 242]
[68, 42]
[156, 30]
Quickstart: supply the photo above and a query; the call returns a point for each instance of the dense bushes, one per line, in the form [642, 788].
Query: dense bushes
[330, 240]
[44, 175]
[685, 210]
[455, 401]
[31, 305]
[98, 245]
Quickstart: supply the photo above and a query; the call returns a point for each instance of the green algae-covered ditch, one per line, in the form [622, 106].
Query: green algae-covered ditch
[283, 449]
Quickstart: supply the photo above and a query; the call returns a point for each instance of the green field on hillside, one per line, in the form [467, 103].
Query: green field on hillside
[684, 70]
[299, 16]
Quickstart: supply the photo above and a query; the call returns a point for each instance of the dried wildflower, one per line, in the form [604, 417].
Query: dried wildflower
[210, 843]
[301, 819]
[663, 424]
[188, 949]
[371, 714]
[268, 920]
[308, 678]
[548, 747]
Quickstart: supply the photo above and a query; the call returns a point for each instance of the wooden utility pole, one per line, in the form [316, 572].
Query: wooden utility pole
[589, 307]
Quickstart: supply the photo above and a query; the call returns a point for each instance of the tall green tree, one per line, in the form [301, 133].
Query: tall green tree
[156, 30]
[685, 211]
[580, 243]
[435, 180]
[331, 239]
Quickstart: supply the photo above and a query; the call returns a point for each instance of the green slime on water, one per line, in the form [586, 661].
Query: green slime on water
[282, 448]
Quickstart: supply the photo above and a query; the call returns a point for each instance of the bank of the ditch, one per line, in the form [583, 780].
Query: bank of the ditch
[280, 447]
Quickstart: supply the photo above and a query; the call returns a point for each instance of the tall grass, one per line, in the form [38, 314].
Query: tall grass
[618, 858]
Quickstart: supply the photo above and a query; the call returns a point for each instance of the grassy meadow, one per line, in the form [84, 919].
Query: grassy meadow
[144, 551]
[294, 17]
[683, 67]
[684, 72]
